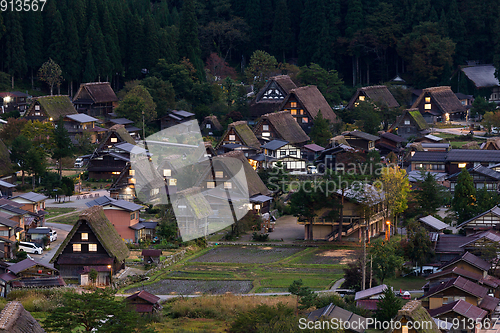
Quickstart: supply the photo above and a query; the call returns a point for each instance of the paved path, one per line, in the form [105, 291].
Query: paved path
[337, 284]
[62, 232]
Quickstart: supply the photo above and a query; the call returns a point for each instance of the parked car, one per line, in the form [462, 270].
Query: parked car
[311, 169]
[29, 247]
[78, 162]
[406, 295]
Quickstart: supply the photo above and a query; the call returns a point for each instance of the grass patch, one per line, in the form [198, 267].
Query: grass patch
[67, 219]
[406, 283]
[188, 325]
[53, 212]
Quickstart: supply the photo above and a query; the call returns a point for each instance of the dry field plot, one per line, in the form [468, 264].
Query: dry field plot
[246, 254]
[327, 257]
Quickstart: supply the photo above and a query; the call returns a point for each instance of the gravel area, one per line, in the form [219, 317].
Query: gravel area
[189, 287]
[246, 255]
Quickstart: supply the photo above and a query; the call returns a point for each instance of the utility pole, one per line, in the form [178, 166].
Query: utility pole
[371, 270]
[363, 283]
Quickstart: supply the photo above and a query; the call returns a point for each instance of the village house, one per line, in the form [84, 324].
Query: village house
[8, 230]
[326, 225]
[413, 312]
[92, 243]
[49, 108]
[311, 152]
[24, 218]
[379, 95]
[123, 215]
[144, 302]
[453, 160]
[193, 210]
[14, 318]
[177, 117]
[353, 323]
[238, 133]
[432, 224]
[33, 203]
[304, 104]
[270, 97]
[78, 124]
[211, 126]
[488, 220]
[462, 311]
[280, 126]
[95, 99]
[482, 177]
[481, 81]
[411, 124]
[361, 140]
[368, 298]
[13, 101]
[389, 142]
[439, 104]
[277, 151]
[151, 256]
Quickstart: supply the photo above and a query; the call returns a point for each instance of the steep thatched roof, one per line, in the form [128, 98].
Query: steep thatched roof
[244, 133]
[260, 105]
[254, 183]
[15, 319]
[121, 132]
[313, 101]
[377, 94]
[5, 163]
[198, 205]
[104, 231]
[286, 126]
[214, 121]
[56, 106]
[443, 97]
[99, 92]
[415, 116]
[415, 312]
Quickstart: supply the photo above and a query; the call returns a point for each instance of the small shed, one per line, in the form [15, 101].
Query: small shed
[430, 223]
[151, 256]
[144, 302]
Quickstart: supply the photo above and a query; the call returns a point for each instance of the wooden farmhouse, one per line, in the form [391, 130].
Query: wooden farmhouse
[411, 124]
[270, 97]
[238, 133]
[439, 104]
[93, 243]
[50, 108]
[380, 95]
[280, 126]
[95, 99]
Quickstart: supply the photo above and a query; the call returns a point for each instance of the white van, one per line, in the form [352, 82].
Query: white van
[78, 162]
[30, 248]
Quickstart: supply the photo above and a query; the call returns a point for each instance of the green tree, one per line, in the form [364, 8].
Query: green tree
[93, 311]
[429, 193]
[464, 201]
[162, 92]
[396, 186]
[12, 130]
[418, 246]
[57, 41]
[19, 152]
[427, 52]
[36, 163]
[262, 66]
[33, 36]
[490, 120]
[72, 63]
[305, 296]
[281, 38]
[62, 146]
[137, 101]
[386, 258]
[486, 199]
[388, 306]
[15, 58]
[188, 34]
[328, 82]
[320, 132]
[51, 73]
[367, 115]
[480, 106]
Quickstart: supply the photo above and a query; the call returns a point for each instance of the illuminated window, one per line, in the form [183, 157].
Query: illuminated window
[131, 172]
[92, 247]
[407, 122]
[154, 191]
[172, 182]
[37, 107]
[37, 113]
[265, 127]
[85, 236]
[115, 173]
[228, 185]
[293, 104]
[219, 174]
[427, 100]
[208, 125]
[232, 137]
[131, 180]
[266, 134]
[427, 106]
[301, 111]
[167, 172]
[305, 120]
[294, 112]
[462, 165]
[114, 140]
[77, 247]
[361, 98]
[210, 184]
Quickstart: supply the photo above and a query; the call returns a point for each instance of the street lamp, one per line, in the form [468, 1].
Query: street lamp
[388, 230]
[110, 274]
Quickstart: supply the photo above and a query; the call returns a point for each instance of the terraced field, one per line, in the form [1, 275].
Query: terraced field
[251, 269]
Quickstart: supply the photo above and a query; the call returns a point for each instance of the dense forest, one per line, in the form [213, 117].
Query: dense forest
[367, 42]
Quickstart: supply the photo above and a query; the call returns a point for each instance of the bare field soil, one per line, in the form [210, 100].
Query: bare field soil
[328, 257]
[189, 287]
[246, 254]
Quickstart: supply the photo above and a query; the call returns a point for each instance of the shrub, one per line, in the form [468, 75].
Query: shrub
[260, 237]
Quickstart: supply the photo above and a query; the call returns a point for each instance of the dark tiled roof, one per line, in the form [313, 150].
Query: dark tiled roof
[363, 135]
[451, 243]
[148, 297]
[368, 304]
[38, 282]
[332, 311]
[286, 126]
[7, 222]
[463, 308]
[489, 303]
[470, 259]
[4, 201]
[392, 137]
[370, 292]
[461, 283]
[429, 156]
[314, 147]
[483, 76]
[31, 196]
[81, 118]
[495, 211]
[13, 209]
[105, 200]
[275, 144]
[473, 155]
[458, 271]
[433, 222]
[121, 121]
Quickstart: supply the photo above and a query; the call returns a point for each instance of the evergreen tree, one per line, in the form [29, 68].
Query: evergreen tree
[296, 8]
[18, 154]
[433, 16]
[62, 146]
[386, 258]
[90, 73]
[253, 17]
[73, 60]
[57, 45]
[135, 49]
[464, 201]
[354, 18]
[188, 34]
[151, 35]
[282, 35]
[457, 32]
[429, 194]
[418, 246]
[310, 28]
[320, 132]
[33, 36]
[388, 306]
[15, 59]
